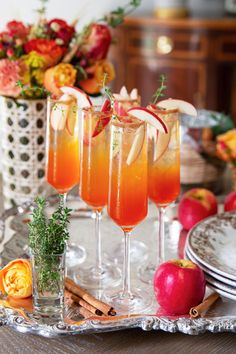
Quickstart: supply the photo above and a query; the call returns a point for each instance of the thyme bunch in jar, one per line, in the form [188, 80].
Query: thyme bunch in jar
[47, 241]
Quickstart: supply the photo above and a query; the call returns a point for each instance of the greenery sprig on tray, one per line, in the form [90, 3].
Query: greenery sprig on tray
[47, 238]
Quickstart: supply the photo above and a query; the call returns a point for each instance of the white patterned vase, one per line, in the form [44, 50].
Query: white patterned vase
[23, 130]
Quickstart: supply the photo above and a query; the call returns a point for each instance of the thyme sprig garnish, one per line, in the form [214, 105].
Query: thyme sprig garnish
[107, 89]
[159, 91]
[47, 239]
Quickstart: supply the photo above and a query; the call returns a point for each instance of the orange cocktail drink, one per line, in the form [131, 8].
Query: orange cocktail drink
[62, 166]
[128, 174]
[95, 158]
[164, 161]
[127, 197]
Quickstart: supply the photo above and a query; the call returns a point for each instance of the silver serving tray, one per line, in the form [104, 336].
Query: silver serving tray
[13, 244]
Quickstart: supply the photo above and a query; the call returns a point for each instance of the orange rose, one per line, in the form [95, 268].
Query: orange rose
[16, 279]
[60, 75]
[93, 85]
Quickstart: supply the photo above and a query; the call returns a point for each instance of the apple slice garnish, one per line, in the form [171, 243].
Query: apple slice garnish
[149, 117]
[182, 106]
[119, 110]
[101, 124]
[136, 145]
[106, 106]
[60, 112]
[82, 99]
[71, 118]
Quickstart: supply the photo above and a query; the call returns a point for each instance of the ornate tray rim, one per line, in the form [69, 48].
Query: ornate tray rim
[21, 322]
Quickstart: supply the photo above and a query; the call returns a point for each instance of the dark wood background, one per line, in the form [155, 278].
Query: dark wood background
[198, 57]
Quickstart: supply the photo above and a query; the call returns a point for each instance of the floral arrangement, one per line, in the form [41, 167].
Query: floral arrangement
[37, 59]
[226, 146]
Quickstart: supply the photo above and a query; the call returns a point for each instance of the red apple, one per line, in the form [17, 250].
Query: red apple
[179, 284]
[230, 202]
[196, 205]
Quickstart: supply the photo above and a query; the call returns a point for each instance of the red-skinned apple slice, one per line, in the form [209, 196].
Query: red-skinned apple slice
[136, 145]
[182, 106]
[101, 124]
[149, 117]
[103, 121]
[81, 97]
[106, 106]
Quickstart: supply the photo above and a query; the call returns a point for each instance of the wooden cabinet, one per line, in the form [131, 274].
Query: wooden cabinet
[198, 58]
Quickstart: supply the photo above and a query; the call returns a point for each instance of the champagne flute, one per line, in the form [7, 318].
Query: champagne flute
[63, 161]
[163, 178]
[123, 102]
[127, 199]
[94, 190]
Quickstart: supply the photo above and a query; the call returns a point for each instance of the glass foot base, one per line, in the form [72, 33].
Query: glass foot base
[138, 251]
[146, 273]
[75, 255]
[137, 302]
[91, 278]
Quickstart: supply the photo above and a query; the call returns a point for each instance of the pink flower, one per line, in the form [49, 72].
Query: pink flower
[10, 73]
[97, 43]
[10, 52]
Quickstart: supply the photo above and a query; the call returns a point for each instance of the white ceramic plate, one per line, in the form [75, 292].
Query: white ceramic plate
[222, 292]
[213, 243]
[207, 271]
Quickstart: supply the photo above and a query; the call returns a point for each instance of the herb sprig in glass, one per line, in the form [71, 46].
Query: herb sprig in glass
[47, 239]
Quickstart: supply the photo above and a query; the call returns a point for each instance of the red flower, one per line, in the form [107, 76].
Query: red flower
[17, 29]
[98, 42]
[45, 47]
[61, 30]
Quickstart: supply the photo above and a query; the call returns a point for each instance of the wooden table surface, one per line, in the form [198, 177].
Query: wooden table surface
[128, 341]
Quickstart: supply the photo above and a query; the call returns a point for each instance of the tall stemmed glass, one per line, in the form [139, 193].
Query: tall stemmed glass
[127, 199]
[138, 248]
[63, 162]
[163, 178]
[94, 189]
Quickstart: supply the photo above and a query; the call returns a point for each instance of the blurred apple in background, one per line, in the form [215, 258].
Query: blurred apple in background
[230, 202]
[182, 241]
[196, 205]
[179, 284]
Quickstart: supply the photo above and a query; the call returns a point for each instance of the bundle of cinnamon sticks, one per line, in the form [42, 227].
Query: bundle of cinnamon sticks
[88, 304]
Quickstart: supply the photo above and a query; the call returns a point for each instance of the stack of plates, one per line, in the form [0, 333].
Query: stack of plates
[212, 245]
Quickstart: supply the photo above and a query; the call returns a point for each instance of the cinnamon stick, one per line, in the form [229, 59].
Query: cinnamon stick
[75, 289]
[76, 299]
[85, 313]
[204, 306]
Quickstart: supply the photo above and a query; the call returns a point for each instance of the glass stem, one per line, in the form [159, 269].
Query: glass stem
[63, 198]
[126, 267]
[161, 236]
[98, 242]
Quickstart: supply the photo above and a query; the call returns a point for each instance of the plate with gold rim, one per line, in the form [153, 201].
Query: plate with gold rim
[213, 243]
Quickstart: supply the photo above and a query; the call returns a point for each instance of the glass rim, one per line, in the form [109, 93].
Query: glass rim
[122, 124]
[163, 110]
[93, 109]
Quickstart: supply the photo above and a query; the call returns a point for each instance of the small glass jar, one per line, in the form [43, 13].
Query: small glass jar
[48, 285]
